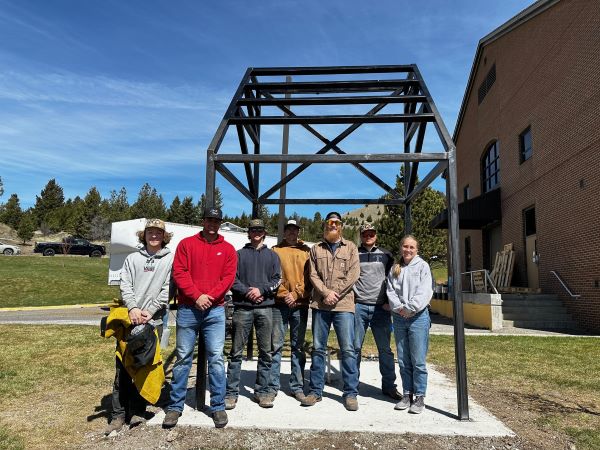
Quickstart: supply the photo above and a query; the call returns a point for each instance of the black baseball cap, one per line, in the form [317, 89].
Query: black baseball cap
[213, 213]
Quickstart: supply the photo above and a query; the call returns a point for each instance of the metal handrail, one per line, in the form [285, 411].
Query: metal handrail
[564, 285]
[487, 279]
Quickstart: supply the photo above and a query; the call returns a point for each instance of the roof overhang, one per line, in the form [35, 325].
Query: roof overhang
[475, 213]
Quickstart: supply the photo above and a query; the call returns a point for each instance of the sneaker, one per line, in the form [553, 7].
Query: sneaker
[115, 425]
[171, 419]
[351, 404]
[230, 402]
[392, 393]
[299, 396]
[418, 405]
[219, 418]
[310, 400]
[136, 420]
[406, 401]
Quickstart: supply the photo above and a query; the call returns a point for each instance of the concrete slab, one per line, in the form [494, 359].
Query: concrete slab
[376, 412]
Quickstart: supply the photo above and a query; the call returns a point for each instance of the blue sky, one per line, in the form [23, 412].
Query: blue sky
[119, 93]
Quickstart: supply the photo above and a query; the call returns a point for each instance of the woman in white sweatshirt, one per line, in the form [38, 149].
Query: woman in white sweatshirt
[409, 291]
[145, 279]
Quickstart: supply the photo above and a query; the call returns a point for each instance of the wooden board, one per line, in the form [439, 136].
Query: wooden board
[503, 267]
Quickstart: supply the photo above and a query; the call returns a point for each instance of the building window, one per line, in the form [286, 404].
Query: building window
[487, 84]
[491, 167]
[525, 147]
[466, 193]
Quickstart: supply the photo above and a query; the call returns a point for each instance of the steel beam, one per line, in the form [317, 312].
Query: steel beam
[331, 159]
[299, 120]
[356, 100]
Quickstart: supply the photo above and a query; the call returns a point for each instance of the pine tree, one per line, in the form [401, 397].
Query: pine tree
[11, 212]
[149, 204]
[116, 209]
[187, 212]
[428, 204]
[218, 201]
[174, 212]
[50, 198]
[1, 187]
[26, 227]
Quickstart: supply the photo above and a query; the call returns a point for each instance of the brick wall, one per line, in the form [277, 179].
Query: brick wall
[548, 78]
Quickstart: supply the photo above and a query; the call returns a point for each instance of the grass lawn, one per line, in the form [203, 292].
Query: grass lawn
[60, 280]
[55, 383]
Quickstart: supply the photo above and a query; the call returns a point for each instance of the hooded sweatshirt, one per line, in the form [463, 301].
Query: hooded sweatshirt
[203, 267]
[259, 268]
[145, 281]
[412, 289]
[375, 265]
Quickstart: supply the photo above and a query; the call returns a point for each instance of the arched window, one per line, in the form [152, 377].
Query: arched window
[490, 167]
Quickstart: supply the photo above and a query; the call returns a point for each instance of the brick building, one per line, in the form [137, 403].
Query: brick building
[528, 152]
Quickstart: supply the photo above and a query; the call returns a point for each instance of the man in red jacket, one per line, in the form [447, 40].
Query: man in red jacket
[204, 270]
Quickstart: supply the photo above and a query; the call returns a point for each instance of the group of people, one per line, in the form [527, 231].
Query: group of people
[352, 288]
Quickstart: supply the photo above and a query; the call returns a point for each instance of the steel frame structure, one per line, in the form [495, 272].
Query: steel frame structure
[339, 86]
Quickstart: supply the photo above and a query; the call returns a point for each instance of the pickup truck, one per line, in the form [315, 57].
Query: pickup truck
[70, 246]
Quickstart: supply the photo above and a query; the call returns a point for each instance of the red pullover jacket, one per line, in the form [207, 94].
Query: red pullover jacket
[202, 267]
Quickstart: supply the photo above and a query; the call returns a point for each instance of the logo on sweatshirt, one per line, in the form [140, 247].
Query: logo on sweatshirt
[219, 253]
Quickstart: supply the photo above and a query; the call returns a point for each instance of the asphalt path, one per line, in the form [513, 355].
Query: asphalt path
[91, 315]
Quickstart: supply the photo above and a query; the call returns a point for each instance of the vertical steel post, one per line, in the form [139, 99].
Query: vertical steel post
[209, 194]
[456, 289]
[282, 191]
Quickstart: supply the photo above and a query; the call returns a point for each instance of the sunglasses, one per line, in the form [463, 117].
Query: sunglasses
[332, 222]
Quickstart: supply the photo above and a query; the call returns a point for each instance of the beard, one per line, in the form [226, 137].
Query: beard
[332, 235]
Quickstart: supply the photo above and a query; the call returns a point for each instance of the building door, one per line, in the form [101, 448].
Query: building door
[492, 238]
[531, 253]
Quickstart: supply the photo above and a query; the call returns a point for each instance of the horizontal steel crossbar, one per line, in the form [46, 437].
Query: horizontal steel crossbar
[330, 159]
[381, 118]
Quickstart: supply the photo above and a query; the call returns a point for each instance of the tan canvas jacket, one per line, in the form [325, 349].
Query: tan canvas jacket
[295, 272]
[337, 273]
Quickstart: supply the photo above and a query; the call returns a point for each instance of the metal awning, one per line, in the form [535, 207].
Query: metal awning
[475, 213]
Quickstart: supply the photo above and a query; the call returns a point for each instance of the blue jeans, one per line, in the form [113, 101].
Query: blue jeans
[211, 323]
[296, 319]
[412, 343]
[243, 319]
[343, 324]
[380, 322]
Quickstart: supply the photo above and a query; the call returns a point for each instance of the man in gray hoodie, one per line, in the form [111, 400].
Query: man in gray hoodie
[371, 306]
[144, 288]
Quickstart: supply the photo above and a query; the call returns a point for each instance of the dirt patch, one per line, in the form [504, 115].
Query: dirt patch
[520, 413]
[191, 438]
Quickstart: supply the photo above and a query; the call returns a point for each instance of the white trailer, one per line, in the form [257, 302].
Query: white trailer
[123, 241]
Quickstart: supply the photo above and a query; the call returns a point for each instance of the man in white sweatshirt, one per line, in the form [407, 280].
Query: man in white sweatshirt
[144, 288]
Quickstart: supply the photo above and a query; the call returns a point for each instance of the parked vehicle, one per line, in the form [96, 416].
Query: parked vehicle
[70, 246]
[8, 249]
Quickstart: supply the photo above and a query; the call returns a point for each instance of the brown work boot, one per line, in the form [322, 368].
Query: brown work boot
[230, 402]
[264, 400]
[299, 396]
[219, 418]
[310, 400]
[115, 425]
[136, 420]
[351, 404]
[171, 419]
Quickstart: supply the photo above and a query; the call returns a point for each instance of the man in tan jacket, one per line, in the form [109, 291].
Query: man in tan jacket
[291, 309]
[334, 268]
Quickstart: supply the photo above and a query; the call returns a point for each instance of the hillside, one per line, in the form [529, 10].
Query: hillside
[375, 211]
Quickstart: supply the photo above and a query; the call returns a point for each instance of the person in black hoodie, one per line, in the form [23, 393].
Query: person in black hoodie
[256, 282]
